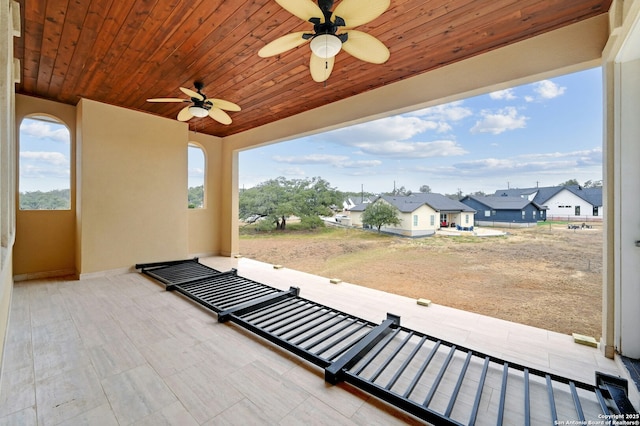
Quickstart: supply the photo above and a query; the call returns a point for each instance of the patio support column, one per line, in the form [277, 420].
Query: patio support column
[229, 201]
[621, 277]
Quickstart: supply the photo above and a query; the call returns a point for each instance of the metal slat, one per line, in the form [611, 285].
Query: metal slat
[454, 395]
[438, 379]
[552, 401]
[476, 402]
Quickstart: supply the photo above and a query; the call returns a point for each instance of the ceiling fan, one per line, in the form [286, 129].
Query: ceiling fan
[325, 42]
[201, 106]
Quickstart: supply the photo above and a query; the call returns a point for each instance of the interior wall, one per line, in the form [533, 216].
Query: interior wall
[9, 11]
[132, 196]
[45, 239]
[204, 223]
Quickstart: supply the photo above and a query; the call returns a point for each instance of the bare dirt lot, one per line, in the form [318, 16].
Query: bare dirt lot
[548, 276]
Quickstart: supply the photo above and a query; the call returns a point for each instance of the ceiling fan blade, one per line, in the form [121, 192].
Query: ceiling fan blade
[192, 94]
[359, 12]
[282, 44]
[184, 114]
[219, 115]
[222, 104]
[167, 100]
[303, 9]
[365, 47]
[320, 68]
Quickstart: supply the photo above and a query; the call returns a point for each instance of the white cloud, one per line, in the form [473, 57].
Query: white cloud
[390, 128]
[45, 157]
[340, 161]
[554, 163]
[310, 159]
[196, 172]
[501, 121]
[412, 150]
[453, 111]
[43, 130]
[506, 94]
[43, 165]
[546, 89]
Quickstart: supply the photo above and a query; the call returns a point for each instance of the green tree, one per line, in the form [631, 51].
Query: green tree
[196, 197]
[425, 189]
[570, 182]
[379, 214]
[592, 184]
[280, 198]
[57, 199]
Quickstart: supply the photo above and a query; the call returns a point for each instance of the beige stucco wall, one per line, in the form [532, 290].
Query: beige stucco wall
[45, 240]
[133, 194]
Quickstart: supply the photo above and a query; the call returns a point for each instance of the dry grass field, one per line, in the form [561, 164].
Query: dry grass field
[548, 276]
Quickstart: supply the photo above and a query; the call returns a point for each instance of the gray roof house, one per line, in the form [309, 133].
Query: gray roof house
[498, 210]
[421, 214]
[563, 202]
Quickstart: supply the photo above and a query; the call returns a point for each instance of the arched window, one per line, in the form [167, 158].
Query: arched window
[196, 177]
[45, 164]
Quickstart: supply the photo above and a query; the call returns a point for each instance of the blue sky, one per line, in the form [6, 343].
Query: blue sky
[537, 134]
[542, 134]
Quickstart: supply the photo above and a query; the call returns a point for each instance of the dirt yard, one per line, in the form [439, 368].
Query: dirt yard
[548, 277]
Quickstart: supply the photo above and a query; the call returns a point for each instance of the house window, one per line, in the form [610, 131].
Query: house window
[466, 218]
[577, 210]
[493, 212]
[44, 165]
[595, 210]
[196, 168]
[432, 220]
[415, 220]
[487, 213]
[524, 215]
[534, 215]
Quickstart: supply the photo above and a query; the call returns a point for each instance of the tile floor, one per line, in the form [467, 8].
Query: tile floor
[120, 350]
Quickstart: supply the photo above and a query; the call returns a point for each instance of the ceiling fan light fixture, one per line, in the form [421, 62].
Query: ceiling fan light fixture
[326, 45]
[197, 111]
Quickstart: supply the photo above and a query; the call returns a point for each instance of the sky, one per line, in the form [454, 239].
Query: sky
[539, 134]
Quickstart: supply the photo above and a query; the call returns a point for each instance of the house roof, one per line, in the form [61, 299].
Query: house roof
[122, 53]
[503, 202]
[438, 202]
[542, 195]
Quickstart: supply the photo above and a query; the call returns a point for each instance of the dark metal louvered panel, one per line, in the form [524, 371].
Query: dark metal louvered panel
[428, 377]
[177, 272]
[447, 384]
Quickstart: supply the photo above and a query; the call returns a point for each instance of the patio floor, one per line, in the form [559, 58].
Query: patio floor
[118, 349]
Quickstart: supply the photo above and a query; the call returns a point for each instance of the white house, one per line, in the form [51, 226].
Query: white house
[564, 202]
[420, 214]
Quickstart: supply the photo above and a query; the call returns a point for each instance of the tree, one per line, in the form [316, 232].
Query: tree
[425, 189]
[196, 197]
[400, 191]
[278, 199]
[570, 182]
[379, 214]
[592, 184]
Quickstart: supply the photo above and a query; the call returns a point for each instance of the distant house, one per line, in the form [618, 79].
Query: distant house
[420, 214]
[563, 202]
[492, 210]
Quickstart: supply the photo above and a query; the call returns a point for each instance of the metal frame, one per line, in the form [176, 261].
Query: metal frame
[416, 372]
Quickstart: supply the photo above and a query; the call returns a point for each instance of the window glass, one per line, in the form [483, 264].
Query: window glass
[415, 220]
[432, 220]
[196, 173]
[44, 165]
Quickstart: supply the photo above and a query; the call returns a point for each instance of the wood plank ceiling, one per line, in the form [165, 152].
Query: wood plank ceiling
[123, 52]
